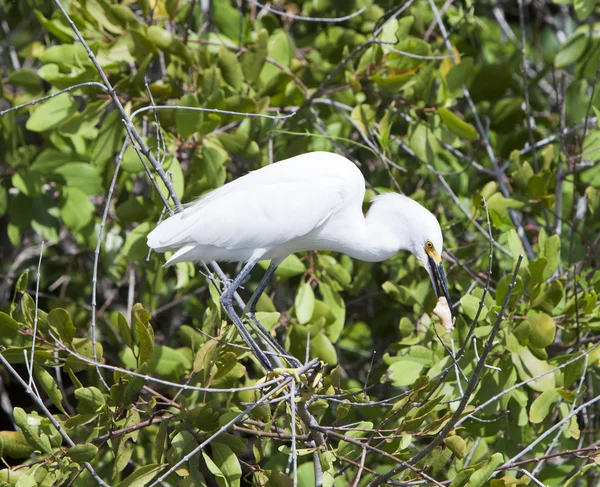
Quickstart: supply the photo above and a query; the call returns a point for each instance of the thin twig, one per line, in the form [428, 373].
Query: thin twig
[308, 19]
[52, 95]
[96, 263]
[35, 318]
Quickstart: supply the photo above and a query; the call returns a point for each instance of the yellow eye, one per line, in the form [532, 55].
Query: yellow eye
[429, 245]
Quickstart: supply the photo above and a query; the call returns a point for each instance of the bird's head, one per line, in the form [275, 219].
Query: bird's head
[427, 245]
[419, 232]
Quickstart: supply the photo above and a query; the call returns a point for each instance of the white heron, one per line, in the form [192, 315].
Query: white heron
[309, 202]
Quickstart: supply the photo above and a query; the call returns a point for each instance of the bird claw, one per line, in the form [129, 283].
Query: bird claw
[226, 282]
[315, 380]
[292, 371]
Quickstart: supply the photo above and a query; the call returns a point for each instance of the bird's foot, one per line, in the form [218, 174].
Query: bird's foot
[292, 371]
[310, 381]
[226, 283]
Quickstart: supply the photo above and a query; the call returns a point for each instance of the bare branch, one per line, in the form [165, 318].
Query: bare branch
[308, 19]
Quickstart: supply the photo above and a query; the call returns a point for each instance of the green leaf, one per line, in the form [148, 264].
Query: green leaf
[168, 361]
[66, 55]
[25, 78]
[9, 329]
[14, 445]
[81, 175]
[571, 50]
[141, 476]
[131, 161]
[583, 8]
[575, 478]
[304, 303]
[28, 307]
[543, 329]
[459, 74]
[457, 445]
[108, 142]
[135, 247]
[404, 372]
[268, 319]
[161, 439]
[462, 477]
[175, 175]
[321, 347]
[3, 200]
[215, 470]
[282, 50]
[136, 209]
[498, 203]
[552, 255]
[52, 113]
[50, 387]
[573, 372]
[22, 282]
[528, 366]
[549, 296]
[341, 275]
[537, 269]
[160, 37]
[461, 128]
[572, 430]
[470, 306]
[540, 407]
[338, 307]
[345, 448]
[228, 463]
[290, 267]
[82, 453]
[423, 142]
[479, 477]
[230, 67]
[61, 31]
[124, 330]
[239, 143]
[145, 333]
[90, 400]
[254, 59]
[364, 117]
[227, 19]
[77, 211]
[188, 121]
[37, 442]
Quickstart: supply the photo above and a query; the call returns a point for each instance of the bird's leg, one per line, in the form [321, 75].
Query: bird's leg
[227, 302]
[250, 310]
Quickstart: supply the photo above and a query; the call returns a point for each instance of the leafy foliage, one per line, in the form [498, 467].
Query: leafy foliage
[133, 374]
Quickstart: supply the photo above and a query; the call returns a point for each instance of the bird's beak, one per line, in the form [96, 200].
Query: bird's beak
[438, 277]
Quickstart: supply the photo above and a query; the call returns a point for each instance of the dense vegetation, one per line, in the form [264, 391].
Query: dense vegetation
[118, 371]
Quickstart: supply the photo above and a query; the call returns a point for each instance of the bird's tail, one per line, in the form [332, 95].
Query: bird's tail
[168, 235]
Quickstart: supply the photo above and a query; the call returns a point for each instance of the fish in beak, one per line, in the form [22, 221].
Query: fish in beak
[438, 278]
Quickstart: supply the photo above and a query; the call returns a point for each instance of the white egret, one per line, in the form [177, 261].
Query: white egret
[308, 202]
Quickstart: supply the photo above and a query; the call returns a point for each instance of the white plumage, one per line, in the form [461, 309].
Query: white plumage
[309, 202]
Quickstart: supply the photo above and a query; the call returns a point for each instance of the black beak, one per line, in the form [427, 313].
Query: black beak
[438, 277]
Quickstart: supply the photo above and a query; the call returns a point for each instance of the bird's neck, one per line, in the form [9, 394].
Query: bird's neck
[380, 237]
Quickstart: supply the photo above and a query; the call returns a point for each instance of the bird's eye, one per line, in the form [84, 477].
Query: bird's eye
[429, 245]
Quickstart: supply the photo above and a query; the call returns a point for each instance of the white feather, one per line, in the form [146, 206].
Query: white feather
[309, 202]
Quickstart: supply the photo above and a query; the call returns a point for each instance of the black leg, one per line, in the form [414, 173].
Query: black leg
[227, 302]
[251, 311]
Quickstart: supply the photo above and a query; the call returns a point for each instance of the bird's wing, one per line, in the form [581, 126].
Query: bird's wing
[263, 209]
